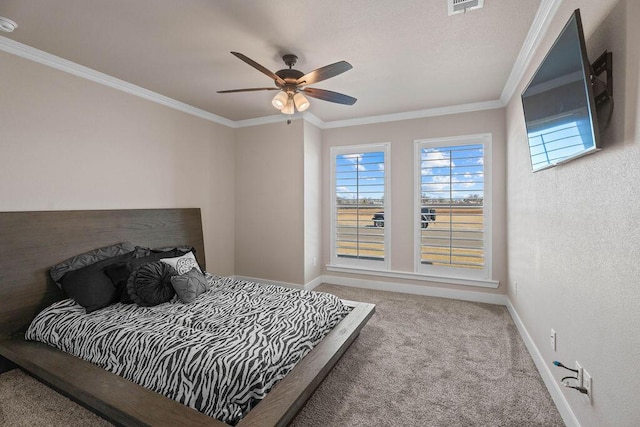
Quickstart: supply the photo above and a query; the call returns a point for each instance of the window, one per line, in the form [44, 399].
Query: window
[453, 205]
[360, 206]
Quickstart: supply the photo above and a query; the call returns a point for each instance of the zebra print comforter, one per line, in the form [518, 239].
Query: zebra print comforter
[220, 354]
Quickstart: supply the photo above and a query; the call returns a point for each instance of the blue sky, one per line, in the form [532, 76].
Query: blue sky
[455, 172]
[360, 176]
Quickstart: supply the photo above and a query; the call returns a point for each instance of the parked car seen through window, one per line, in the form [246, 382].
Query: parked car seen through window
[427, 215]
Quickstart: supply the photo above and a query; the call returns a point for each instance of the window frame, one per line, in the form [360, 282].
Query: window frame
[366, 264]
[484, 273]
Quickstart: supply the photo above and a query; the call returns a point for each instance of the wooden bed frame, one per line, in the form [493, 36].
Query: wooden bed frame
[31, 242]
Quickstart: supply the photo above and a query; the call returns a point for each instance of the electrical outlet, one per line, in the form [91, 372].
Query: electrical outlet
[553, 339]
[579, 374]
[587, 383]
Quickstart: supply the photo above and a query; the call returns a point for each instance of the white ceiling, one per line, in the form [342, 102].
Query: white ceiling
[407, 55]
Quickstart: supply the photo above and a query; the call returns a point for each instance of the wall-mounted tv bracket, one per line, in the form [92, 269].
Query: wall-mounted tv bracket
[603, 64]
[603, 90]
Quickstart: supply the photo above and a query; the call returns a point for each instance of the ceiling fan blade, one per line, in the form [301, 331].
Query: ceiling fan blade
[259, 67]
[324, 73]
[253, 89]
[327, 95]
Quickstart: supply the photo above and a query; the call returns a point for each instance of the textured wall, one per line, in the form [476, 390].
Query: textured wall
[573, 234]
[68, 143]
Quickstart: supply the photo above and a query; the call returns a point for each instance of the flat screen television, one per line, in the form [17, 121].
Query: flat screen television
[558, 102]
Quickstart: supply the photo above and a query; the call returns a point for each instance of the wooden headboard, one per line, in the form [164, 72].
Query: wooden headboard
[31, 242]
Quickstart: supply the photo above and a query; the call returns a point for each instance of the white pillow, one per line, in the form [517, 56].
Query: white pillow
[184, 263]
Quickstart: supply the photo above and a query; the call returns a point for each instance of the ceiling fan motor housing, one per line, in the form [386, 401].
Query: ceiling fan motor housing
[290, 76]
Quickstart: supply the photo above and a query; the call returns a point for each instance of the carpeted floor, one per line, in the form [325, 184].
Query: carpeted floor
[25, 402]
[420, 361]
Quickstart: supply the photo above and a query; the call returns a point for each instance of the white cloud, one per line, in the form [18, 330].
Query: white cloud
[469, 180]
[441, 179]
[437, 183]
[342, 190]
[435, 159]
[352, 157]
[355, 159]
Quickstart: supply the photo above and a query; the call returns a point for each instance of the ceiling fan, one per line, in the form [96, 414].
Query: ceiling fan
[291, 84]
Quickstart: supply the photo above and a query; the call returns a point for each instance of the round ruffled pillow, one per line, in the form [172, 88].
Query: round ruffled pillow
[150, 284]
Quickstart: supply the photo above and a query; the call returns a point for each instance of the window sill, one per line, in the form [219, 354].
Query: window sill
[482, 283]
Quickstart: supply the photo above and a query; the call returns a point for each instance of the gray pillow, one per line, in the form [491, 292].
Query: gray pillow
[87, 258]
[190, 285]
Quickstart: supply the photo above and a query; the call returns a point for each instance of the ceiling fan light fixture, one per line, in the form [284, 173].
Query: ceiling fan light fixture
[302, 103]
[288, 109]
[280, 100]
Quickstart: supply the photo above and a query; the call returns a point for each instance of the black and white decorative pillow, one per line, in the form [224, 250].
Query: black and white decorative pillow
[183, 264]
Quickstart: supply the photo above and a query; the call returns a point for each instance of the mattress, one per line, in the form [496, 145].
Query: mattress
[220, 354]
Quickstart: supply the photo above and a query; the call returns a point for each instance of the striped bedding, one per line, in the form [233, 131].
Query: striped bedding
[220, 354]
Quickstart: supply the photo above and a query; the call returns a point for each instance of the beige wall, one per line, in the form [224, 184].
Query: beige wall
[269, 207]
[402, 135]
[574, 239]
[68, 143]
[312, 202]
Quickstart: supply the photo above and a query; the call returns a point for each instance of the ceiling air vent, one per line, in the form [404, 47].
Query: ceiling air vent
[461, 6]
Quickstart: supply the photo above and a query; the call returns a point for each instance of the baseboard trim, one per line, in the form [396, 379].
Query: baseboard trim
[425, 290]
[313, 284]
[480, 283]
[566, 413]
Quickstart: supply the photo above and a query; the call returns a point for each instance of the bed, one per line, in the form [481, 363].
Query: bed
[31, 242]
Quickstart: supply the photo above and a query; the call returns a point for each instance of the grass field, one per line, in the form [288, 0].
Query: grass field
[455, 238]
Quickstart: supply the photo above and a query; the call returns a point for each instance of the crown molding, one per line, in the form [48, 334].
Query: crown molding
[542, 20]
[420, 114]
[279, 118]
[537, 31]
[27, 52]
